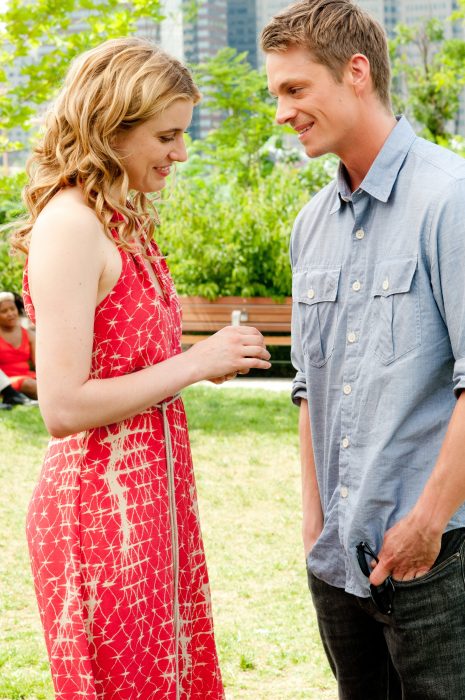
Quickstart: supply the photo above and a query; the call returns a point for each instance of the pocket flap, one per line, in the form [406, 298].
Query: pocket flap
[394, 276]
[315, 285]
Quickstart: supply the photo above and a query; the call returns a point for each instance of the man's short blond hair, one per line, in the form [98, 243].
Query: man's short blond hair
[333, 31]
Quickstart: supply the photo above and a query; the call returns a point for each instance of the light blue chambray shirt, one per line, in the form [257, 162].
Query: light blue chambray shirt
[379, 340]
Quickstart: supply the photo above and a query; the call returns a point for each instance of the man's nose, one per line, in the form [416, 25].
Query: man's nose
[284, 113]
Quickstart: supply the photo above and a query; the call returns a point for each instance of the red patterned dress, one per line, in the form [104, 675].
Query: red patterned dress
[113, 527]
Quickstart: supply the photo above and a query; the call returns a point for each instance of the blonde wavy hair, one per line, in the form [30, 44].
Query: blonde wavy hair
[111, 88]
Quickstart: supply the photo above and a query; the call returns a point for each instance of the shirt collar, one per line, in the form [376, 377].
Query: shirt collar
[384, 170]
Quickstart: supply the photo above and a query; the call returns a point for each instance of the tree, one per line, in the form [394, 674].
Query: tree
[227, 224]
[239, 93]
[429, 71]
[225, 239]
[11, 267]
[43, 36]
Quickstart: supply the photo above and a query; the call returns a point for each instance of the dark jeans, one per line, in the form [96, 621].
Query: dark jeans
[418, 652]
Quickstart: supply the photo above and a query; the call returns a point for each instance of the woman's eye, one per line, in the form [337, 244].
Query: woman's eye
[166, 139]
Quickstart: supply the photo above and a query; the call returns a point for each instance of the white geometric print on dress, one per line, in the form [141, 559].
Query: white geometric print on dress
[113, 528]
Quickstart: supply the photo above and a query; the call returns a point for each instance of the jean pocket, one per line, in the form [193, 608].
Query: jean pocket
[395, 309]
[430, 575]
[314, 293]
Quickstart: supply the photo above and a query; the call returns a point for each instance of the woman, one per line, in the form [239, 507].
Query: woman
[113, 526]
[17, 348]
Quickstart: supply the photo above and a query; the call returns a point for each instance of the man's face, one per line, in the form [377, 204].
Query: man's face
[321, 110]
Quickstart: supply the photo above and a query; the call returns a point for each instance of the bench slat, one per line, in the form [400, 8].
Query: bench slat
[188, 339]
[203, 316]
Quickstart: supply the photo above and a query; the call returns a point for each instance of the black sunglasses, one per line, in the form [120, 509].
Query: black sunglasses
[383, 595]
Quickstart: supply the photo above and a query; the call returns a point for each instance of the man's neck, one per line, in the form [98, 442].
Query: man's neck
[365, 145]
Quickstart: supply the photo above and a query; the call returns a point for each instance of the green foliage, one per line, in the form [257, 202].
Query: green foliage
[11, 207]
[11, 269]
[232, 88]
[65, 28]
[431, 69]
[226, 226]
[245, 452]
[225, 239]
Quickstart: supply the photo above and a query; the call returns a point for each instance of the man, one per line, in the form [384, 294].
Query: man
[378, 259]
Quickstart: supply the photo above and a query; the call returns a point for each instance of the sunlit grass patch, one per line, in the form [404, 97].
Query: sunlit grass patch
[246, 461]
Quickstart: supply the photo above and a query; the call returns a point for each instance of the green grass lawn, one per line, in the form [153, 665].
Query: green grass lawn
[246, 459]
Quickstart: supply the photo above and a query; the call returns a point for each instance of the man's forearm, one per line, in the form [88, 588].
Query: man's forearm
[411, 546]
[445, 489]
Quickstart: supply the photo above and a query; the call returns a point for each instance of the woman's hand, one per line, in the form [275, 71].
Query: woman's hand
[232, 350]
[227, 377]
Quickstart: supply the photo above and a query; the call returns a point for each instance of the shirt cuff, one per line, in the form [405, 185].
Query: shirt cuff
[459, 376]
[299, 388]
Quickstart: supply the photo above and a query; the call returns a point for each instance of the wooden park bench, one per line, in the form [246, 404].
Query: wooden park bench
[201, 317]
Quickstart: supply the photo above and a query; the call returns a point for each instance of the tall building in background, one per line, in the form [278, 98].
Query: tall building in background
[417, 12]
[203, 38]
[242, 28]
[238, 23]
[385, 11]
[391, 12]
[169, 33]
[265, 11]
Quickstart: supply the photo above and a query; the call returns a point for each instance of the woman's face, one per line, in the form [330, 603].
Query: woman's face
[8, 314]
[149, 149]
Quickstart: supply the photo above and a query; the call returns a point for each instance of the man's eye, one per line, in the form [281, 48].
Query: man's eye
[294, 91]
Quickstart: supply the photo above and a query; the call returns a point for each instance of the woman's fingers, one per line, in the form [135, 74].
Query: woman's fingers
[256, 351]
[248, 363]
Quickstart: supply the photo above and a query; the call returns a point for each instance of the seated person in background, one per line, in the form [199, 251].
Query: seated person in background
[17, 348]
[10, 397]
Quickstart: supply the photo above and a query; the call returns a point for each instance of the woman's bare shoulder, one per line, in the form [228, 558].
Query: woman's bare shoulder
[68, 247]
[67, 206]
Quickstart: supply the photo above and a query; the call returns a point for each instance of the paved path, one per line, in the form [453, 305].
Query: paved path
[253, 383]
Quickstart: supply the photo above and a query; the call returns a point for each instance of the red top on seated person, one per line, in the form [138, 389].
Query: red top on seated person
[17, 348]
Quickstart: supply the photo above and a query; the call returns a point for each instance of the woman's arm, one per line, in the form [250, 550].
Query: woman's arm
[69, 256]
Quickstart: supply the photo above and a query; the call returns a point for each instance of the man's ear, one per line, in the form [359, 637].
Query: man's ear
[359, 73]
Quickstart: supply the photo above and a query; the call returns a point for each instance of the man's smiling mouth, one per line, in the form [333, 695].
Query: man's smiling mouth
[302, 130]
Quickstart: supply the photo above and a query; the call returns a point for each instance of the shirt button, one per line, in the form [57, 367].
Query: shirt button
[386, 284]
[345, 442]
[360, 234]
[344, 491]
[356, 286]
[351, 337]
[311, 293]
[347, 389]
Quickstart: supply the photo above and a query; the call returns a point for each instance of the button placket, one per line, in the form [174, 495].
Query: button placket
[356, 299]
[351, 337]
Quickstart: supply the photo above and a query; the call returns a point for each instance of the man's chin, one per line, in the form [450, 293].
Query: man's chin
[313, 151]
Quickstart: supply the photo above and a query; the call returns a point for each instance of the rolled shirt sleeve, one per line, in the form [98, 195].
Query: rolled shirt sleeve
[447, 260]
[299, 384]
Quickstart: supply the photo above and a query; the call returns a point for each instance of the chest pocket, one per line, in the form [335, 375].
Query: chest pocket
[396, 309]
[314, 292]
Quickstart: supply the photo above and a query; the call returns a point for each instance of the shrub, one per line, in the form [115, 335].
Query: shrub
[11, 207]
[227, 239]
